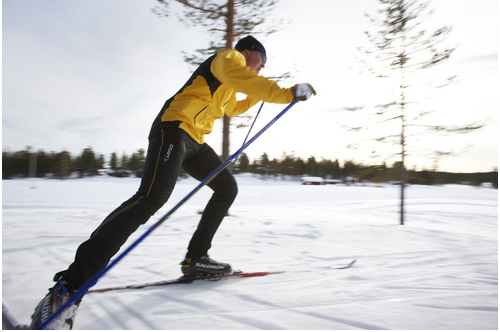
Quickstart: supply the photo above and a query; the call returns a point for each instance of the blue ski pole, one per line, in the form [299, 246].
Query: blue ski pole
[81, 292]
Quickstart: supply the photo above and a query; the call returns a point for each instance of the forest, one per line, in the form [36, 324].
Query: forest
[63, 165]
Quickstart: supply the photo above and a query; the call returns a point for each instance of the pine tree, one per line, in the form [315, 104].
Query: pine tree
[401, 51]
[113, 163]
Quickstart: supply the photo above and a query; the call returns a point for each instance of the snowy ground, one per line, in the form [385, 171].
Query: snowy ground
[440, 271]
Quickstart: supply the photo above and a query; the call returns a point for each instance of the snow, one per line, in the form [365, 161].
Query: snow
[439, 271]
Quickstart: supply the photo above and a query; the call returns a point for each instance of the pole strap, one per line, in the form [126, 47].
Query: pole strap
[248, 134]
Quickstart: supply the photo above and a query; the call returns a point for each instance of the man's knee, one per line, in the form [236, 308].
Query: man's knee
[225, 186]
[150, 206]
[232, 188]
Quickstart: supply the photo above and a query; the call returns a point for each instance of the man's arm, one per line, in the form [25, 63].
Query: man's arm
[229, 67]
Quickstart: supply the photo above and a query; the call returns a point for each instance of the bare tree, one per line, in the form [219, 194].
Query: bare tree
[401, 52]
[226, 21]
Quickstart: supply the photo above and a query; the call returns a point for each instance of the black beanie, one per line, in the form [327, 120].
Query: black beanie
[252, 44]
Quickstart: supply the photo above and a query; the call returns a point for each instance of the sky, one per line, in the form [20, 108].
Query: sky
[95, 73]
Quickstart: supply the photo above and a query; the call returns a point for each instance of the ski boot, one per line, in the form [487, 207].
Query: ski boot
[201, 266]
[55, 299]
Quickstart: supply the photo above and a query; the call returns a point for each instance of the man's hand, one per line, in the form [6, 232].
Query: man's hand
[303, 91]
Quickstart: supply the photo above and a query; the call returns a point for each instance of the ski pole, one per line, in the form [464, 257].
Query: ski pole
[248, 134]
[81, 292]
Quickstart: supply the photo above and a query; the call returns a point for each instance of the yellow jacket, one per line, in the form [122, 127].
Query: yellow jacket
[210, 93]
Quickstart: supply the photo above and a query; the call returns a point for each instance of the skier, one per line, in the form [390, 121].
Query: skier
[176, 141]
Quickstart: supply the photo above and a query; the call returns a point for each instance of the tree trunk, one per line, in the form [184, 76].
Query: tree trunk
[403, 152]
[229, 44]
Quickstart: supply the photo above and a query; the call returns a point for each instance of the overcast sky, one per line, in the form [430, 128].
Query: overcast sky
[95, 73]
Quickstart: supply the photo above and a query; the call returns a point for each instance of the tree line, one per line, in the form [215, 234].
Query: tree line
[62, 165]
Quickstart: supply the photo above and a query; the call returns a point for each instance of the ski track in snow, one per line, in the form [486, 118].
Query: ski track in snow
[439, 271]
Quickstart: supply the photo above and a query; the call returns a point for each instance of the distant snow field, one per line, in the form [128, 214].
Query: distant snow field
[439, 271]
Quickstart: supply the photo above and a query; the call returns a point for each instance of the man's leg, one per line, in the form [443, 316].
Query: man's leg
[163, 162]
[199, 166]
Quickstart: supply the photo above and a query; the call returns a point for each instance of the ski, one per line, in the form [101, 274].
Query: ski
[186, 280]
[342, 266]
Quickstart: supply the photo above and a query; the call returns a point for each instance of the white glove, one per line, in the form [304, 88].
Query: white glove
[303, 91]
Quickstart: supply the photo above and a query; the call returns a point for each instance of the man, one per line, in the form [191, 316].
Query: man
[176, 141]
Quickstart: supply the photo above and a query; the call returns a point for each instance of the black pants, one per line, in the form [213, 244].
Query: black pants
[170, 149]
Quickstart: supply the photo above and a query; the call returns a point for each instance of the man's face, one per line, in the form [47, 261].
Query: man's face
[254, 60]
